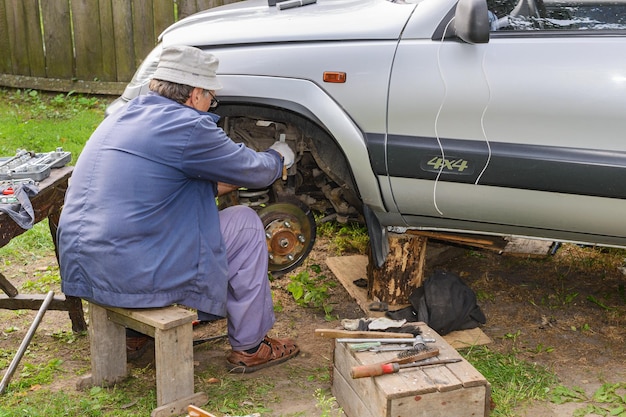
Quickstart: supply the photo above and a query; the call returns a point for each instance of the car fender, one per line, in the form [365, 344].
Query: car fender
[311, 101]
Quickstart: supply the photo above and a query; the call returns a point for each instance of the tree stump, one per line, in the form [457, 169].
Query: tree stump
[402, 272]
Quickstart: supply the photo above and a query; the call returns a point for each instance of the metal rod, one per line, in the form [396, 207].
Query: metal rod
[417, 339]
[25, 342]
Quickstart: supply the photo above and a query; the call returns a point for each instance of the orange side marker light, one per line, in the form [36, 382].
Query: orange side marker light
[334, 77]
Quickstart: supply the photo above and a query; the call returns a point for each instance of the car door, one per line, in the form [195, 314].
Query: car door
[524, 134]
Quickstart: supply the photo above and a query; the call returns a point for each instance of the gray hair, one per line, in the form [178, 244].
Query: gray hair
[177, 92]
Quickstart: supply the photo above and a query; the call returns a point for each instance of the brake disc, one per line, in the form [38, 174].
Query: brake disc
[290, 233]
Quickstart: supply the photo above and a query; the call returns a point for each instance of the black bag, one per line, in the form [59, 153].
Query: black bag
[444, 302]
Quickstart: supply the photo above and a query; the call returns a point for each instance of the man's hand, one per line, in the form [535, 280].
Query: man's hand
[285, 151]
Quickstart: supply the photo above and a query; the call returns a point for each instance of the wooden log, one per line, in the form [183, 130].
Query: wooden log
[402, 272]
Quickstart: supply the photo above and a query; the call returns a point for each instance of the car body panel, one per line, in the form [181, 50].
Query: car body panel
[516, 112]
[253, 22]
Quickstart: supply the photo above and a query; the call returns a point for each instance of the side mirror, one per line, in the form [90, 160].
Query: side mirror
[471, 21]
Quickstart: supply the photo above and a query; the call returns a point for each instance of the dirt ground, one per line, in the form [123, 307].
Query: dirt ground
[566, 312]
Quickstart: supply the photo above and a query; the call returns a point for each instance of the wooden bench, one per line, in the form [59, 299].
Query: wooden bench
[172, 330]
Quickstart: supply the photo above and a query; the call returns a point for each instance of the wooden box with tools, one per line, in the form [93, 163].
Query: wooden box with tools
[452, 389]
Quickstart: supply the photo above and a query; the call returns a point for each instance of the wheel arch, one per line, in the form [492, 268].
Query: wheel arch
[304, 104]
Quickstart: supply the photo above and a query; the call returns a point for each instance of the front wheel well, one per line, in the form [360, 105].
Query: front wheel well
[320, 178]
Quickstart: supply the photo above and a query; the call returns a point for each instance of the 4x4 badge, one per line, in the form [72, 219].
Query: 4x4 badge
[448, 165]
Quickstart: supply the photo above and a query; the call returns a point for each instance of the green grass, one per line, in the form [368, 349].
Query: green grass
[513, 381]
[344, 238]
[97, 402]
[32, 244]
[42, 122]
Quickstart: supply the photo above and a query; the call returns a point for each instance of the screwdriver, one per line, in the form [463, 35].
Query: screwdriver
[391, 368]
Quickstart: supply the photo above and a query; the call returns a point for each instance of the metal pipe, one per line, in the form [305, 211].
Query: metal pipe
[26, 341]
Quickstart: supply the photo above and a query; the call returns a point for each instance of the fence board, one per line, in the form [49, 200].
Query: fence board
[163, 16]
[34, 39]
[186, 8]
[16, 28]
[6, 65]
[87, 41]
[107, 70]
[123, 38]
[143, 24]
[58, 39]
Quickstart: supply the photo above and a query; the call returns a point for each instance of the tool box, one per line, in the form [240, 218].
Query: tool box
[35, 166]
[445, 390]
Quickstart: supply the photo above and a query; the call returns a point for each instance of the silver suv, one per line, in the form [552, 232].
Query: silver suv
[502, 117]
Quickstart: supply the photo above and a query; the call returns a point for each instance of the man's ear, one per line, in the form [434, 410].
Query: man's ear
[194, 96]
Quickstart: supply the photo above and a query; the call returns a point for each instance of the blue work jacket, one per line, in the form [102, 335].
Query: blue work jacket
[140, 224]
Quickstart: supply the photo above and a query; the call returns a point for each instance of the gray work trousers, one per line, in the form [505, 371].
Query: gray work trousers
[250, 311]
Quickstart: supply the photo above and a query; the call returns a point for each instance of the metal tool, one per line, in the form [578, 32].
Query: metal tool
[392, 368]
[413, 340]
[359, 334]
[379, 349]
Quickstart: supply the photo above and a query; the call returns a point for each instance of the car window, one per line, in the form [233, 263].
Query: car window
[523, 15]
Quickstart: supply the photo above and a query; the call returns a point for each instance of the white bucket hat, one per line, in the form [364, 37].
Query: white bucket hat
[189, 66]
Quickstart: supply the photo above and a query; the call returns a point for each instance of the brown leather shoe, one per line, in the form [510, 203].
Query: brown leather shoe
[271, 352]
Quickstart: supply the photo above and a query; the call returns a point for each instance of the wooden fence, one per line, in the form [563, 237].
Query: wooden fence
[87, 46]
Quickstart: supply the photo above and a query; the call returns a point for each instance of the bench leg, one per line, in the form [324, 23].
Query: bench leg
[108, 348]
[174, 363]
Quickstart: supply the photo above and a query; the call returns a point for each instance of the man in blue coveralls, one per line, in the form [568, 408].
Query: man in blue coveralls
[140, 226]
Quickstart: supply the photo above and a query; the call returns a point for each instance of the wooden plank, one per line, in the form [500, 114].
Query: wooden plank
[173, 349]
[366, 388]
[143, 29]
[163, 318]
[33, 302]
[527, 247]
[348, 269]
[34, 37]
[461, 402]
[108, 67]
[163, 15]
[186, 8]
[123, 38]
[488, 242]
[5, 46]
[460, 339]
[352, 403]
[17, 37]
[108, 348]
[58, 39]
[87, 44]
[209, 4]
